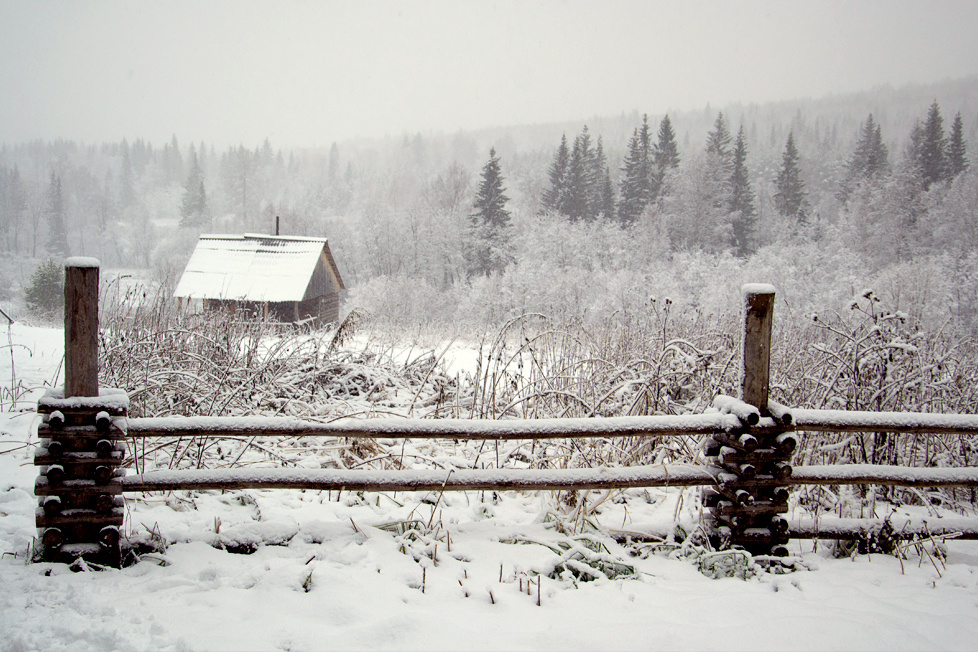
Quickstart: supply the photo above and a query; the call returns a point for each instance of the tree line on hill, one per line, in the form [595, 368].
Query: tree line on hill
[438, 210]
[720, 204]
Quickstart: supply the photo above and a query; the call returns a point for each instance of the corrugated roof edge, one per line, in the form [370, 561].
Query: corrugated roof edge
[258, 236]
[262, 236]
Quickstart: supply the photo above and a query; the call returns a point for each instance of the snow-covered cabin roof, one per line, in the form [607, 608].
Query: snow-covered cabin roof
[254, 267]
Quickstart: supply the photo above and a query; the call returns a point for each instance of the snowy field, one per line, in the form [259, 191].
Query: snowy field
[459, 571]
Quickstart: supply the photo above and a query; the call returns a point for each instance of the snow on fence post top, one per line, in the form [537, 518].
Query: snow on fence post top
[81, 327]
[755, 367]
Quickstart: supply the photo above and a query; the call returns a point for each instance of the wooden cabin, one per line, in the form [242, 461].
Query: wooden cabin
[286, 278]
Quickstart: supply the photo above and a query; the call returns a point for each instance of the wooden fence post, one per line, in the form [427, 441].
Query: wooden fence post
[752, 468]
[82, 441]
[81, 327]
[755, 367]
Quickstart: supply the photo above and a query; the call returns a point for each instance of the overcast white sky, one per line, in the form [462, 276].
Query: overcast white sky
[306, 73]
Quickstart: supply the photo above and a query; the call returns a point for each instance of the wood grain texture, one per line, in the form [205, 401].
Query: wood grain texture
[81, 330]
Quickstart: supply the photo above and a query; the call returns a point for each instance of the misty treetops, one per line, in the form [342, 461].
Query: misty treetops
[437, 208]
[489, 244]
[713, 206]
[580, 185]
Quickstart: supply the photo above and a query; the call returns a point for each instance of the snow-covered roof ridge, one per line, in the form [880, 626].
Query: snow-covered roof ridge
[289, 238]
[259, 236]
[253, 267]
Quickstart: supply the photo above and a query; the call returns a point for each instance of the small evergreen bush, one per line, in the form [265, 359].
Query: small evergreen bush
[45, 292]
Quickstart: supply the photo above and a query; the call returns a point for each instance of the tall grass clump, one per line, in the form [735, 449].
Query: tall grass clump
[173, 361]
[667, 361]
[665, 358]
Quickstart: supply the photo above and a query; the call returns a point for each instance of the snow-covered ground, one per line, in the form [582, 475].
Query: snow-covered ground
[419, 571]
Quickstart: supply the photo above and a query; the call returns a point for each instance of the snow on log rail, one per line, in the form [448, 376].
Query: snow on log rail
[886, 475]
[901, 527]
[833, 527]
[421, 480]
[747, 448]
[649, 426]
[529, 479]
[904, 422]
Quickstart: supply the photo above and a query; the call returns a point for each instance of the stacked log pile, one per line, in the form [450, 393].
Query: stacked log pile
[80, 507]
[752, 465]
[753, 462]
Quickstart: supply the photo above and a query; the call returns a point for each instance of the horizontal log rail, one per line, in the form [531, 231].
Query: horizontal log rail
[747, 448]
[803, 420]
[421, 480]
[896, 422]
[879, 474]
[900, 527]
[528, 479]
[834, 527]
[651, 426]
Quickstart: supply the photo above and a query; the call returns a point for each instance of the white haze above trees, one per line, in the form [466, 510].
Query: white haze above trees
[585, 220]
[311, 73]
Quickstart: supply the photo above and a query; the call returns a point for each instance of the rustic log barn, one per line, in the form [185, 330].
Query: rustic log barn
[286, 278]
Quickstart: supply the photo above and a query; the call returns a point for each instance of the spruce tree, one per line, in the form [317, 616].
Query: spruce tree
[580, 197]
[607, 205]
[54, 208]
[193, 208]
[915, 147]
[868, 161]
[932, 162]
[718, 140]
[742, 200]
[604, 190]
[636, 182]
[957, 162]
[790, 197]
[577, 179]
[719, 163]
[666, 150]
[553, 197]
[490, 221]
[127, 190]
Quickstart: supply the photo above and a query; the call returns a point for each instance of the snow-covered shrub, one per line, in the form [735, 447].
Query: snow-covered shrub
[45, 292]
[400, 303]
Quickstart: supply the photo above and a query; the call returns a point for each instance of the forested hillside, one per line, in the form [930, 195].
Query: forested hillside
[584, 220]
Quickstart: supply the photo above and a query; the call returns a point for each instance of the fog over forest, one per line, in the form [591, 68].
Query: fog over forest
[555, 408]
[589, 233]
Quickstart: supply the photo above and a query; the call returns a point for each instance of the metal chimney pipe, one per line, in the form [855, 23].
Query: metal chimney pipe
[276, 225]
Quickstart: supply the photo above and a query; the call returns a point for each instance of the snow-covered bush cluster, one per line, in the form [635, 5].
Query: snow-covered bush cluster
[661, 358]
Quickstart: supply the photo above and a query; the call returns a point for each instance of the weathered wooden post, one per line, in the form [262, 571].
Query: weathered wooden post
[81, 327]
[753, 462]
[755, 367]
[81, 438]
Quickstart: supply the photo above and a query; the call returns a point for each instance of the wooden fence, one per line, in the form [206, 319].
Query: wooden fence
[749, 442]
